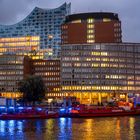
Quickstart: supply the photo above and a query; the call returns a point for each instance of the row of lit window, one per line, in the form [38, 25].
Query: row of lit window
[58, 94]
[52, 78]
[17, 48]
[119, 49]
[46, 63]
[52, 84]
[52, 73]
[100, 53]
[19, 44]
[56, 74]
[46, 68]
[94, 59]
[10, 74]
[97, 88]
[115, 76]
[11, 94]
[18, 39]
[105, 65]
[56, 89]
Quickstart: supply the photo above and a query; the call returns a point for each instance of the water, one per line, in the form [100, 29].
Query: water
[109, 128]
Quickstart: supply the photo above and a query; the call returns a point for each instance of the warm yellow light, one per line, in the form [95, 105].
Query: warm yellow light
[106, 20]
[90, 20]
[50, 36]
[90, 26]
[76, 21]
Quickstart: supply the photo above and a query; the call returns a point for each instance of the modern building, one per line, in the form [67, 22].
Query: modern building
[13, 68]
[95, 65]
[49, 70]
[25, 45]
[100, 71]
[43, 23]
[91, 28]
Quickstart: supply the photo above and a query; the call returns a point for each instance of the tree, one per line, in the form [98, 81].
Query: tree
[33, 89]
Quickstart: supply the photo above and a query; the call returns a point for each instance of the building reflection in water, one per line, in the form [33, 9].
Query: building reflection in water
[65, 127]
[2, 127]
[132, 127]
[116, 128]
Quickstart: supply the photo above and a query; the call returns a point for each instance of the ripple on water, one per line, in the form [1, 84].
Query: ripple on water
[109, 128]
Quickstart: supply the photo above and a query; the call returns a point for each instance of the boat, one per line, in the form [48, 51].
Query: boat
[102, 112]
[29, 114]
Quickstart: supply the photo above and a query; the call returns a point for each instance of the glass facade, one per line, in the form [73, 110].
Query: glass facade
[44, 23]
[11, 72]
[100, 68]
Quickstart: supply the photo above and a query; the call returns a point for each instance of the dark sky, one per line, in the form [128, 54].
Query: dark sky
[12, 11]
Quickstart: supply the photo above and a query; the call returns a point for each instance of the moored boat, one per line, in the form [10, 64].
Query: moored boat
[29, 114]
[102, 112]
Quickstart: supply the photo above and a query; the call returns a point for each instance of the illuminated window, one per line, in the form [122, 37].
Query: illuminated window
[90, 26]
[96, 53]
[90, 31]
[90, 41]
[106, 20]
[77, 21]
[90, 36]
[90, 20]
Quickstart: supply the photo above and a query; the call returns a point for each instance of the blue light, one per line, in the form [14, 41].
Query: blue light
[2, 107]
[70, 109]
[11, 107]
[62, 109]
[29, 107]
[38, 109]
[20, 107]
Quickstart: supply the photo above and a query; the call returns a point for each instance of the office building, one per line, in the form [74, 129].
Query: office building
[43, 23]
[91, 28]
[13, 69]
[96, 66]
[100, 71]
[49, 70]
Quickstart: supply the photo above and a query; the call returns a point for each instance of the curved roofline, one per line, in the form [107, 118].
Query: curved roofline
[96, 15]
[43, 9]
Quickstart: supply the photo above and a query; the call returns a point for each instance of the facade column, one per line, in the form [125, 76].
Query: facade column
[100, 97]
[90, 98]
[126, 97]
[108, 97]
[80, 98]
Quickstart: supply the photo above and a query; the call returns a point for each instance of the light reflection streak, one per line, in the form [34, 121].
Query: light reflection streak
[11, 126]
[131, 127]
[2, 126]
[117, 130]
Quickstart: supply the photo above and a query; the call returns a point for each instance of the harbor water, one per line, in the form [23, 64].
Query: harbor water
[108, 128]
